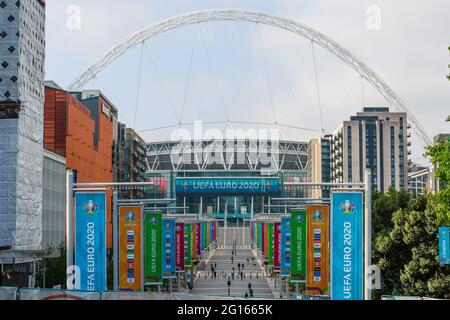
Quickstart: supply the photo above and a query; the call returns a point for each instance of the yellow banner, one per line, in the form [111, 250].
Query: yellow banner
[130, 248]
[317, 250]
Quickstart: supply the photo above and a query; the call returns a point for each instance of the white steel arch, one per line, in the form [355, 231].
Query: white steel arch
[257, 17]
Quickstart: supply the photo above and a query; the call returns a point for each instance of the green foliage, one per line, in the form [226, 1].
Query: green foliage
[54, 269]
[405, 232]
[440, 157]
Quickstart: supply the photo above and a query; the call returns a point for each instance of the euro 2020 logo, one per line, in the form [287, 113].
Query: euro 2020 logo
[130, 217]
[317, 216]
[347, 207]
[90, 208]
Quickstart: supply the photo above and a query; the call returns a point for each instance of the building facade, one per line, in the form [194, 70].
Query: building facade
[418, 180]
[131, 165]
[319, 165]
[54, 201]
[22, 55]
[374, 139]
[206, 177]
[80, 127]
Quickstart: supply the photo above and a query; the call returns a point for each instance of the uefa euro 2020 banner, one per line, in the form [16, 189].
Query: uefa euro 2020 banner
[276, 245]
[298, 246]
[285, 267]
[187, 245]
[130, 248]
[90, 245]
[179, 246]
[347, 245]
[317, 250]
[153, 248]
[270, 247]
[168, 247]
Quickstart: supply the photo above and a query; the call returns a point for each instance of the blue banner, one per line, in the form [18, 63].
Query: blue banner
[90, 240]
[347, 246]
[168, 247]
[444, 245]
[285, 261]
[227, 185]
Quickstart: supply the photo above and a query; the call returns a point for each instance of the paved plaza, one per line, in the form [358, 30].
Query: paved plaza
[253, 274]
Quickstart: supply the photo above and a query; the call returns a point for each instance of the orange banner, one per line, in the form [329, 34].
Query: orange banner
[130, 248]
[317, 250]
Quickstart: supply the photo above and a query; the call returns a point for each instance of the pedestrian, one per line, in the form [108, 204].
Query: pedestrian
[248, 260]
[249, 286]
[239, 267]
[242, 266]
[242, 275]
[246, 295]
[215, 274]
[232, 260]
[251, 292]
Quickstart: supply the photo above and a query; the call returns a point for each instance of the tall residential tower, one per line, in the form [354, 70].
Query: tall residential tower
[22, 50]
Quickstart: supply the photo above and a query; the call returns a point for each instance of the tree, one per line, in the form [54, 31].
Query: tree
[390, 252]
[54, 269]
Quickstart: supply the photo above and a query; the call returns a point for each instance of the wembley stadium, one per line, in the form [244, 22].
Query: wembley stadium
[235, 178]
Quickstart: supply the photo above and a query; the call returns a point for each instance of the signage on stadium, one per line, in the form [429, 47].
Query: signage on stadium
[227, 185]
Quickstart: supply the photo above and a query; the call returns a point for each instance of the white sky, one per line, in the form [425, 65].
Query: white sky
[228, 76]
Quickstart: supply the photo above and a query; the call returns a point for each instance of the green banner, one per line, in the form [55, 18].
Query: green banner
[271, 244]
[188, 244]
[298, 246]
[153, 248]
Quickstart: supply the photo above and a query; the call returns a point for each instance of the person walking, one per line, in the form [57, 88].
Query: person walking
[239, 267]
[251, 293]
[215, 274]
[242, 275]
[242, 266]
[246, 295]
[232, 260]
[249, 286]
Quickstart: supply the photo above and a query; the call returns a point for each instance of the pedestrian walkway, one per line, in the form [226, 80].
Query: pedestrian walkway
[207, 285]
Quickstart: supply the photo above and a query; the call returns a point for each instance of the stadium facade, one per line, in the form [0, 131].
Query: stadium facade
[233, 177]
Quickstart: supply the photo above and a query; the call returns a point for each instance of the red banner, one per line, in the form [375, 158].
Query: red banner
[276, 245]
[179, 247]
[199, 239]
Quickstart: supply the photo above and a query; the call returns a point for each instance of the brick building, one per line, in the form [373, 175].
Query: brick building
[81, 129]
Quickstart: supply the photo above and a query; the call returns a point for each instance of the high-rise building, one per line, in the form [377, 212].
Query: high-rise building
[319, 166]
[22, 55]
[80, 127]
[374, 139]
[130, 148]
